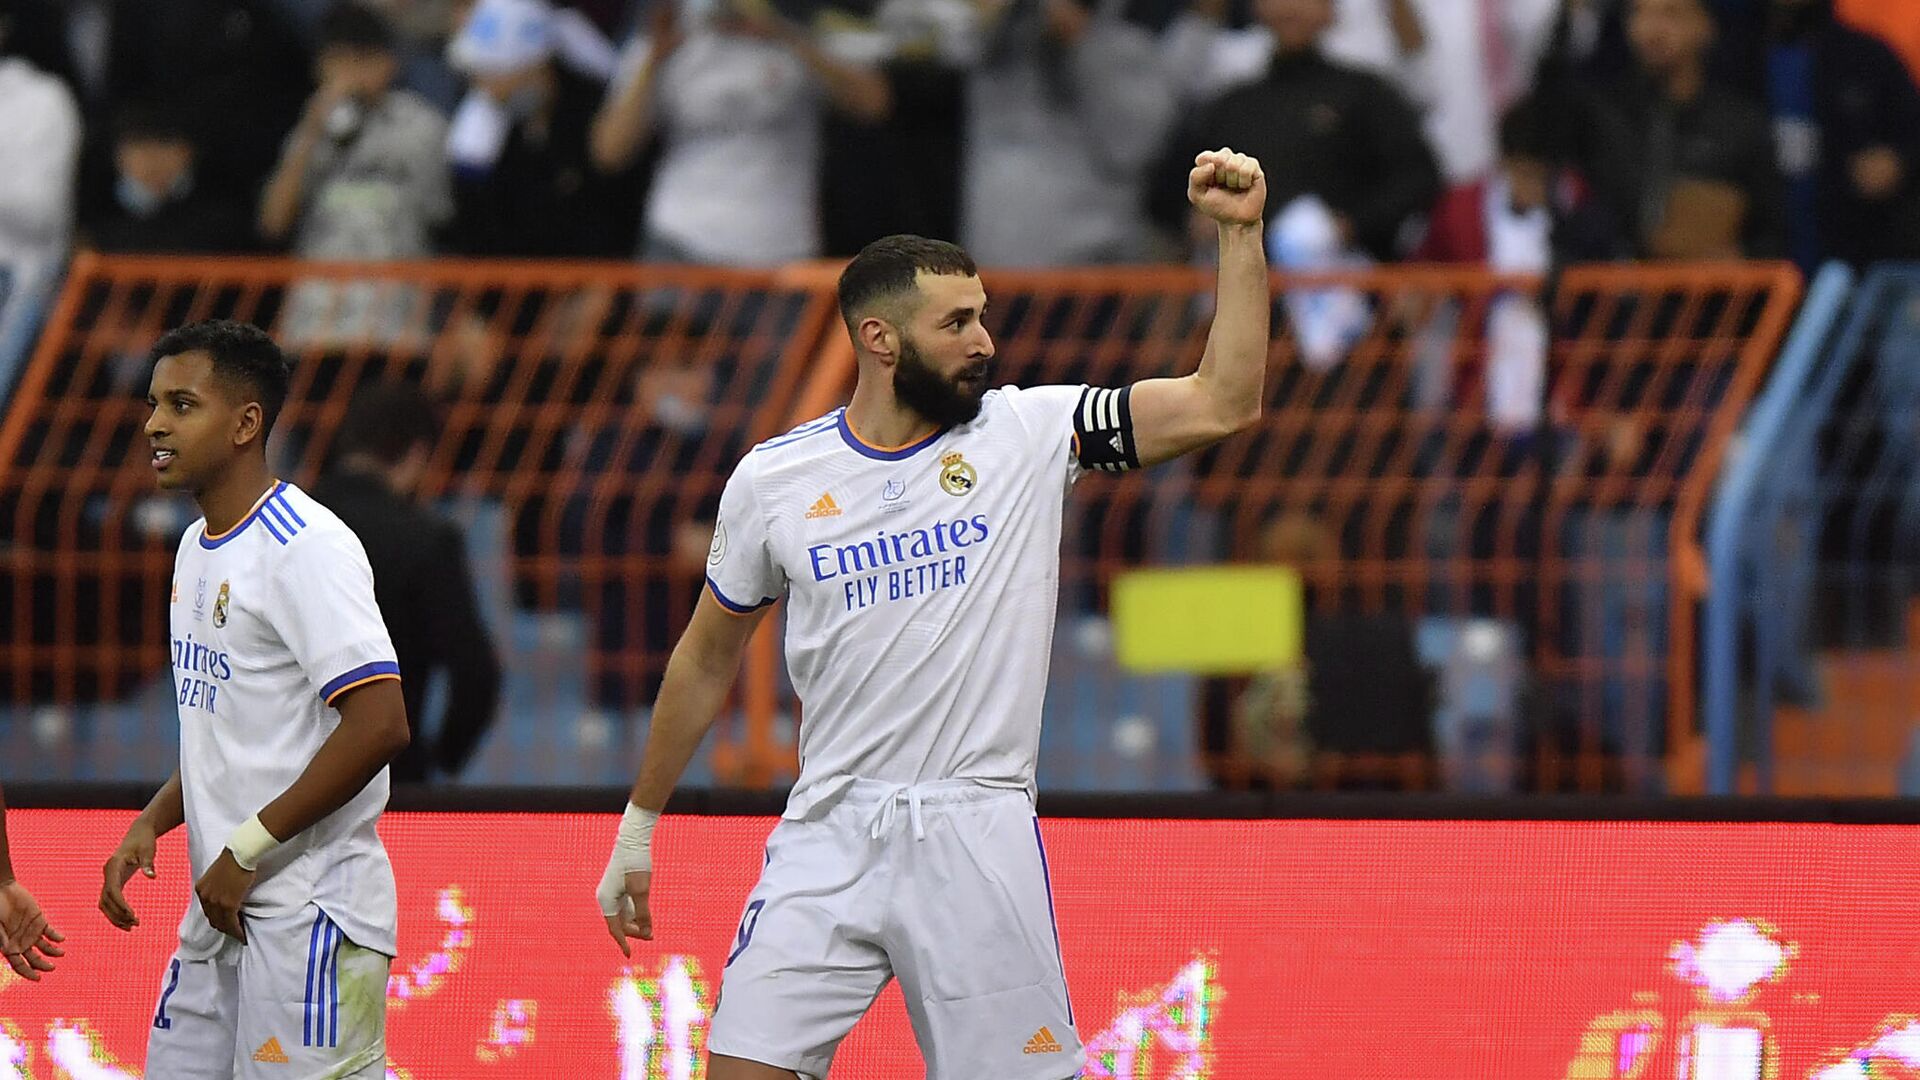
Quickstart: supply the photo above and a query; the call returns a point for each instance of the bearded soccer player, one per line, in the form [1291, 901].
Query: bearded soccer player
[915, 535]
[290, 709]
[26, 940]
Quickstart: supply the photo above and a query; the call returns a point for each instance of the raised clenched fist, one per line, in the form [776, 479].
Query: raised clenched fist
[1230, 188]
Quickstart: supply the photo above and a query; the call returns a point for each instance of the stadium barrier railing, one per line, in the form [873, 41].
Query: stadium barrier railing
[1759, 542]
[1816, 694]
[591, 413]
[1500, 595]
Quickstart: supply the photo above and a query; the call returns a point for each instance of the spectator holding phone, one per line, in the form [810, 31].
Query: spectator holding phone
[525, 181]
[733, 91]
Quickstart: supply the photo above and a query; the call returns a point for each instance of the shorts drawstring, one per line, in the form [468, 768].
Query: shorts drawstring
[881, 822]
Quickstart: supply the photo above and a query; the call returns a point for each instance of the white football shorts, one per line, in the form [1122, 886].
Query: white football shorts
[942, 885]
[298, 1001]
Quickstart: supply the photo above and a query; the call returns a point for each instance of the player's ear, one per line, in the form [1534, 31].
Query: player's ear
[249, 423]
[878, 336]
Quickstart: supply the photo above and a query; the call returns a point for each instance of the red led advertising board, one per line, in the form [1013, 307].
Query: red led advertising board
[1450, 950]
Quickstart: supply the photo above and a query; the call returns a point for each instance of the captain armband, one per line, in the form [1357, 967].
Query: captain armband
[1103, 430]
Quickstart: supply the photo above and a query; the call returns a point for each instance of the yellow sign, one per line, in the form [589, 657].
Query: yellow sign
[1208, 620]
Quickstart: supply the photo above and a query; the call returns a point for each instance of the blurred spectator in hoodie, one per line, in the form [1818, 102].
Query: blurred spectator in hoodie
[1846, 119]
[160, 205]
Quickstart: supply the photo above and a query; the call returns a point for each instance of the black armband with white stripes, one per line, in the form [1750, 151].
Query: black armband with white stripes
[1103, 430]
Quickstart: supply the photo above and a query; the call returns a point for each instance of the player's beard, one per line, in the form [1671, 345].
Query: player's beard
[945, 401]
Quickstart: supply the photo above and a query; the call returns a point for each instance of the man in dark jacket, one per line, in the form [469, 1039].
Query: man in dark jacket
[1847, 118]
[161, 204]
[1318, 128]
[234, 66]
[420, 575]
[1685, 165]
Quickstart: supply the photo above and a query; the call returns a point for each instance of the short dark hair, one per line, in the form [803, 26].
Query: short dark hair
[152, 122]
[1528, 131]
[387, 419]
[353, 25]
[889, 265]
[242, 354]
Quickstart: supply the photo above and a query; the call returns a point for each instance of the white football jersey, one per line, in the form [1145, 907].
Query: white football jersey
[921, 582]
[272, 621]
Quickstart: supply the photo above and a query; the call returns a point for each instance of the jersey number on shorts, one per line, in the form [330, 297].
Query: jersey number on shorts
[747, 922]
[160, 1018]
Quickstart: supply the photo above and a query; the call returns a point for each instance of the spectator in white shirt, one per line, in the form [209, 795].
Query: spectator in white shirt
[39, 146]
[734, 94]
[364, 175]
[1069, 109]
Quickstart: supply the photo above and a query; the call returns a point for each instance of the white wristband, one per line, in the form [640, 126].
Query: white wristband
[632, 851]
[250, 842]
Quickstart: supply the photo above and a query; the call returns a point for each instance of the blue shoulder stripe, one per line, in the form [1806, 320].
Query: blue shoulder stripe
[274, 515]
[280, 498]
[806, 430]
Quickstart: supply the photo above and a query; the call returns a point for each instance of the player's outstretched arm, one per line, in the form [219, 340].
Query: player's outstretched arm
[1177, 416]
[165, 812]
[25, 938]
[698, 676]
[372, 732]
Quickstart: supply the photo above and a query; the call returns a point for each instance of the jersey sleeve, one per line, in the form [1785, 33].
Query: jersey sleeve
[741, 571]
[1091, 427]
[327, 617]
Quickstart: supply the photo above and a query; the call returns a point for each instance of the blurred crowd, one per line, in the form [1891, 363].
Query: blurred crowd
[1512, 134]
[1515, 133]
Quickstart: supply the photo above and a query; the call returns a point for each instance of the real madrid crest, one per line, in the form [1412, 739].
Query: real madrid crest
[220, 606]
[956, 476]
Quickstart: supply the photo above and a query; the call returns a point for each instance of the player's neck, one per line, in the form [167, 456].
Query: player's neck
[880, 420]
[230, 498]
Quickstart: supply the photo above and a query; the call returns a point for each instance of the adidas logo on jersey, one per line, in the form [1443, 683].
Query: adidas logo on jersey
[271, 1053]
[823, 507]
[1043, 1042]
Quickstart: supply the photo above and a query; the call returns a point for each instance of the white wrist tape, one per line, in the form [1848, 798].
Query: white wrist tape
[250, 842]
[632, 850]
[633, 846]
